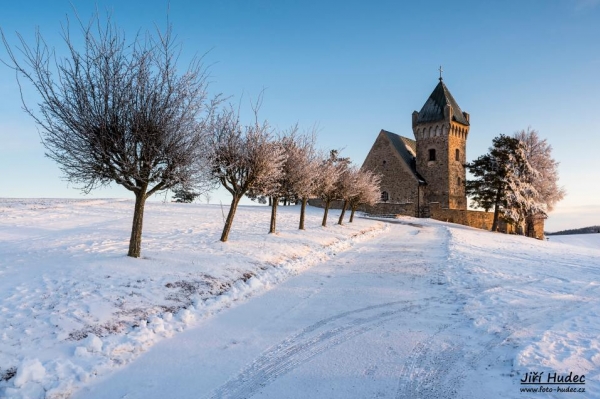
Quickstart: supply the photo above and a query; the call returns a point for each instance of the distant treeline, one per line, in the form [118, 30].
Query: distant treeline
[583, 230]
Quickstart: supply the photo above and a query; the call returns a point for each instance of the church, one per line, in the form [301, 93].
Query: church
[429, 168]
[425, 176]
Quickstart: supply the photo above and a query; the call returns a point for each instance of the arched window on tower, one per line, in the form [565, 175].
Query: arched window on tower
[432, 154]
[457, 155]
[384, 196]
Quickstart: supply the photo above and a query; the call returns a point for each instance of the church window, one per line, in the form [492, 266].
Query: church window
[457, 155]
[384, 196]
[458, 181]
[432, 154]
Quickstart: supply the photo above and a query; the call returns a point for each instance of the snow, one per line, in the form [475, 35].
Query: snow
[72, 301]
[580, 240]
[30, 370]
[402, 308]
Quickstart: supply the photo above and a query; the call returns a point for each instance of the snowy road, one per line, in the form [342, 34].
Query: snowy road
[376, 321]
[369, 309]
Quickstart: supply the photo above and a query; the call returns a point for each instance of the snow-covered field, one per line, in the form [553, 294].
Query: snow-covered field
[580, 240]
[414, 308]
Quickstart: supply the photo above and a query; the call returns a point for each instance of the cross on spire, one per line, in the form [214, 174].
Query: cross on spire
[441, 70]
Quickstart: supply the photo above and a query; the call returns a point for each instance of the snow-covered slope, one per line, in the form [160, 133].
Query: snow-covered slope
[580, 240]
[539, 299]
[73, 306]
[439, 310]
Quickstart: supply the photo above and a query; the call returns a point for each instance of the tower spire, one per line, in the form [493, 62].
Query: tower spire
[441, 70]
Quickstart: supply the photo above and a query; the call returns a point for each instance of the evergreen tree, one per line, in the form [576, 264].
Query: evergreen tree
[501, 180]
[184, 195]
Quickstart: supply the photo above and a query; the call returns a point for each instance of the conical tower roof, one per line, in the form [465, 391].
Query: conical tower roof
[433, 110]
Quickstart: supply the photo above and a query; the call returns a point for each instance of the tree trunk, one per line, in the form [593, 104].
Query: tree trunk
[327, 203]
[352, 213]
[496, 211]
[341, 219]
[529, 227]
[230, 215]
[302, 212]
[273, 215]
[135, 242]
[270, 202]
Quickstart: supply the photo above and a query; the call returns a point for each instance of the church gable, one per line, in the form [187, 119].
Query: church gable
[394, 161]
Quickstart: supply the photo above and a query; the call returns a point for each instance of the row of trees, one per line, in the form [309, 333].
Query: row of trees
[518, 178]
[253, 161]
[118, 111]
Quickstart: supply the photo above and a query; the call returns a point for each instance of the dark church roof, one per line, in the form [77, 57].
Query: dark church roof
[407, 149]
[433, 110]
[411, 144]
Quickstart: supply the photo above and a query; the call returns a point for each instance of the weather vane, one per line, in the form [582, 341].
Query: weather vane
[441, 70]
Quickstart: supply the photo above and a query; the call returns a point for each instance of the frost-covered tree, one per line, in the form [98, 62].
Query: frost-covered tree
[521, 196]
[113, 110]
[347, 188]
[539, 155]
[368, 191]
[300, 173]
[518, 178]
[278, 188]
[243, 159]
[303, 169]
[327, 189]
[496, 176]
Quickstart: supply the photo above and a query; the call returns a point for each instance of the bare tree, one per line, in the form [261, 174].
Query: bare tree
[302, 170]
[367, 191]
[281, 187]
[331, 170]
[243, 159]
[347, 188]
[118, 111]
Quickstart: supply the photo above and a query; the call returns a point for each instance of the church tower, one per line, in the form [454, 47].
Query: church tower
[441, 129]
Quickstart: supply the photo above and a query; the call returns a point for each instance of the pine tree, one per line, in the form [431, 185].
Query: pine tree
[185, 196]
[500, 179]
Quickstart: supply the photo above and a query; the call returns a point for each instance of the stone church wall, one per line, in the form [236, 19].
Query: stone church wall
[456, 169]
[437, 212]
[319, 203]
[407, 209]
[397, 181]
[477, 219]
[480, 220]
[434, 172]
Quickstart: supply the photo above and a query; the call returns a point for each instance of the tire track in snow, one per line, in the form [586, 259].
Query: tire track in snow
[333, 331]
[315, 339]
[428, 371]
[437, 365]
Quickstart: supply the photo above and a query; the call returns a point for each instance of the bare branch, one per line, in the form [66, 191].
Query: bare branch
[118, 111]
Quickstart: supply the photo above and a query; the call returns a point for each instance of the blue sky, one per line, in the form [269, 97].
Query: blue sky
[355, 67]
